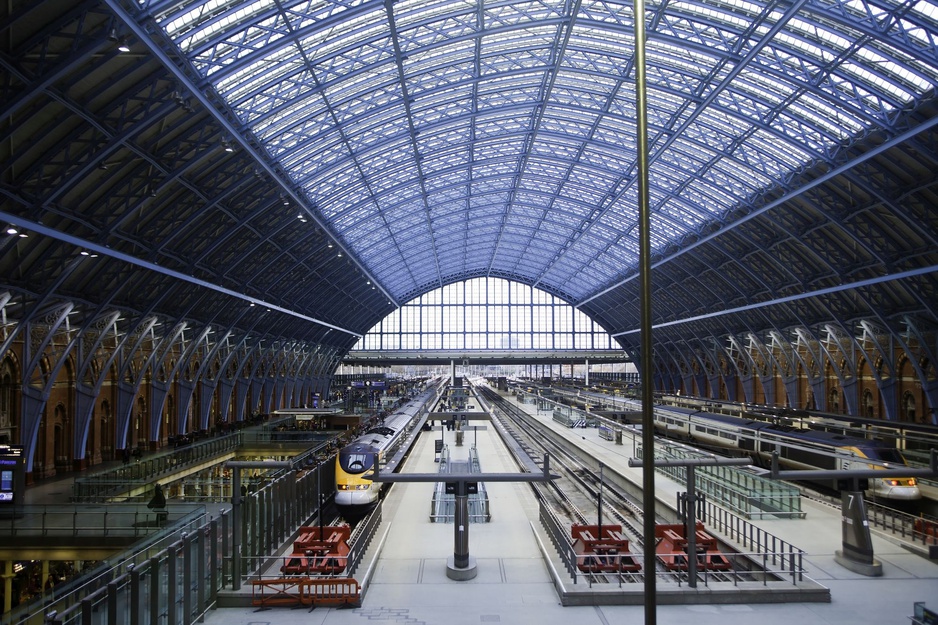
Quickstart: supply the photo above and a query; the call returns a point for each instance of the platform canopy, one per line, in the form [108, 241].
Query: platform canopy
[303, 168]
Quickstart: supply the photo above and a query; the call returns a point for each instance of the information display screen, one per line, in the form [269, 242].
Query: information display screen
[6, 485]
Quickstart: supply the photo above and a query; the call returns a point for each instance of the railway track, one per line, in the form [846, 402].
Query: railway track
[574, 497]
[577, 490]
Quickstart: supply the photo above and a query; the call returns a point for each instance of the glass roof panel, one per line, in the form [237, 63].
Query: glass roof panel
[512, 124]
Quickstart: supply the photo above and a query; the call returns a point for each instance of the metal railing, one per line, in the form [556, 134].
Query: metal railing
[736, 488]
[75, 601]
[362, 539]
[786, 557]
[558, 536]
[127, 480]
[443, 504]
[766, 559]
[918, 529]
[173, 577]
[98, 522]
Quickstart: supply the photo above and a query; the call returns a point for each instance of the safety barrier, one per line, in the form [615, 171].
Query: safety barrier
[294, 591]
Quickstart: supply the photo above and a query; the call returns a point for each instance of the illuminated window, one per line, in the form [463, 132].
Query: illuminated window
[487, 313]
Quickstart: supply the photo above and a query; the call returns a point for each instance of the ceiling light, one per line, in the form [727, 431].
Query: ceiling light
[330, 245]
[227, 146]
[12, 230]
[123, 47]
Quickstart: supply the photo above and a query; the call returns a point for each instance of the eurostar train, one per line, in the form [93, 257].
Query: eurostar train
[797, 448]
[354, 495]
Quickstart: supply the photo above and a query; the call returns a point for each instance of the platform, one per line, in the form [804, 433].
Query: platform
[407, 582]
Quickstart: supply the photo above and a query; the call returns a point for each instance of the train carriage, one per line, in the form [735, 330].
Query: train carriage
[798, 448]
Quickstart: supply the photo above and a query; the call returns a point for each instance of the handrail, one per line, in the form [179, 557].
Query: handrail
[922, 528]
[558, 536]
[136, 475]
[736, 528]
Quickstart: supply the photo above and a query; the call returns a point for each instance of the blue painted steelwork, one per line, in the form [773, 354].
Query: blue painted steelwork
[336, 159]
[442, 140]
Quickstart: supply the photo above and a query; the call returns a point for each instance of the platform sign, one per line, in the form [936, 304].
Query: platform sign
[857, 544]
[472, 488]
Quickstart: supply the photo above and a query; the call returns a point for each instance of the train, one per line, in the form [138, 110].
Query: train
[356, 496]
[798, 448]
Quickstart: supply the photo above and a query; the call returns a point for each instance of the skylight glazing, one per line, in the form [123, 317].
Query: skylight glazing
[450, 138]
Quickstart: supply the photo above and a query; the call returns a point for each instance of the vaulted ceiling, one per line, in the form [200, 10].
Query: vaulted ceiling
[299, 169]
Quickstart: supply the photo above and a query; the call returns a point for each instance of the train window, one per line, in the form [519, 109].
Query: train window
[356, 462]
[887, 454]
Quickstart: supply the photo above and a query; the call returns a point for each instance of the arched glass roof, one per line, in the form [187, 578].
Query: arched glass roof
[441, 140]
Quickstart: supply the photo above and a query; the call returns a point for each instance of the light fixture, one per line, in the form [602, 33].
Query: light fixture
[88, 254]
[182, 100]
[227, 146]
[340, 254]
[121, 42]
[330, 245]
[12, 230]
